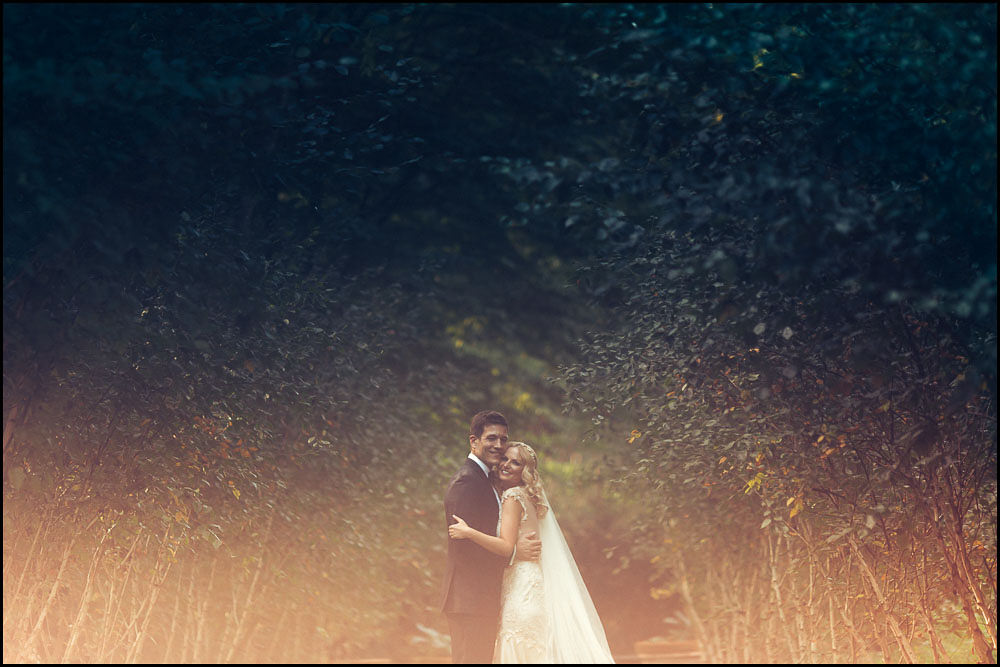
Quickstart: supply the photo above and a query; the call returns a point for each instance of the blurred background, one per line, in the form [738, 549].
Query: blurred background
[731, 269]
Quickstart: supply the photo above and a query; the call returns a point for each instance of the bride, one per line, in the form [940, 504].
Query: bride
[547, 615]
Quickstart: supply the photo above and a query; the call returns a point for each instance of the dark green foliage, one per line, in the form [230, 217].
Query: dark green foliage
[808, 324]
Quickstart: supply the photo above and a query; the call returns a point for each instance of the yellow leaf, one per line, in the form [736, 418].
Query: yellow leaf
[795, 510]
[722, 460]
[790, 501]
[757, 62]
[236, 492]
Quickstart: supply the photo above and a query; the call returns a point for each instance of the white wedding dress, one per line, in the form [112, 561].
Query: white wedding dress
[546, 614]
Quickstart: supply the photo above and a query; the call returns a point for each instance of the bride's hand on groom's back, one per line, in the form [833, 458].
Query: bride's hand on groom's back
[458, 530]
[529, 547]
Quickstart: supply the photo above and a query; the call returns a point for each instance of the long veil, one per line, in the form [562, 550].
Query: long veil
[577, 635]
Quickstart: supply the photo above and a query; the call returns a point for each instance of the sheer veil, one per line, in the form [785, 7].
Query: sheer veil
[577, 635]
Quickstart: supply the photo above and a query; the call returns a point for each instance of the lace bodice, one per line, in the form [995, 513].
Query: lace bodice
[520, 495]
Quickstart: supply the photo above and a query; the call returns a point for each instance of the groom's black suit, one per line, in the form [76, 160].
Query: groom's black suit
[471, 596]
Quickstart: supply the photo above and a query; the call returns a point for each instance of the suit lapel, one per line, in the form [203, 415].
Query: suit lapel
[490, 513]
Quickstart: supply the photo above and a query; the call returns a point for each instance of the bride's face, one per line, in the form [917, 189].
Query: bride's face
[511, 467]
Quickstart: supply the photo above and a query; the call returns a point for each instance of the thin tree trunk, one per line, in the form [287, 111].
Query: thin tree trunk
[713, 637]
[8, 426]
[769, 652]
[108, 619]
[940, 655]
[10, 551]
[130, 633]
[833, 627]
[154, 594]
[779, 603]
[856, 639]
[954, 501]
[173, 622]
[202, 611]
[33, 597]
[28, 560]
[296, 645]
[724, 584]
[747, 623]
[36, 630]
[903, 642]
[270, 657]
[699, 626]
[190, 618]
[962, 556]
[810, 625]
[848, 614]
[143, 629]
[84, 602]
[128, 563]
[959, 586]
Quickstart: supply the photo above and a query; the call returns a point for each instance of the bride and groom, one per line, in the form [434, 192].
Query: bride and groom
[512, 591]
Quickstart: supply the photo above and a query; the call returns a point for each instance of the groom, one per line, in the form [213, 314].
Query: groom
[471, 597]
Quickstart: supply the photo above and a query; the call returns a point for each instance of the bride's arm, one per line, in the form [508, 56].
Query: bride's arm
[510, 519]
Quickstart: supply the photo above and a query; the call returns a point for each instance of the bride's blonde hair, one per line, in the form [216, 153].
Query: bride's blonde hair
[530, 477]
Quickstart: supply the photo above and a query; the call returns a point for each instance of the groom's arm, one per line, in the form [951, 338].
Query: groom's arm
[528, 547]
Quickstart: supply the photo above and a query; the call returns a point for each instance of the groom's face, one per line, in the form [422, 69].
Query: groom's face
[490, 446]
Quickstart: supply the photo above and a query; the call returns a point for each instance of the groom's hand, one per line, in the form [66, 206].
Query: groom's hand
[529, 547]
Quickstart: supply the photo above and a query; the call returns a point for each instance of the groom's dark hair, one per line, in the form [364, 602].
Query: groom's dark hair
[484, 419]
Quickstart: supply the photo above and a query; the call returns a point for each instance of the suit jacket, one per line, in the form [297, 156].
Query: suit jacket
[473, 577]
